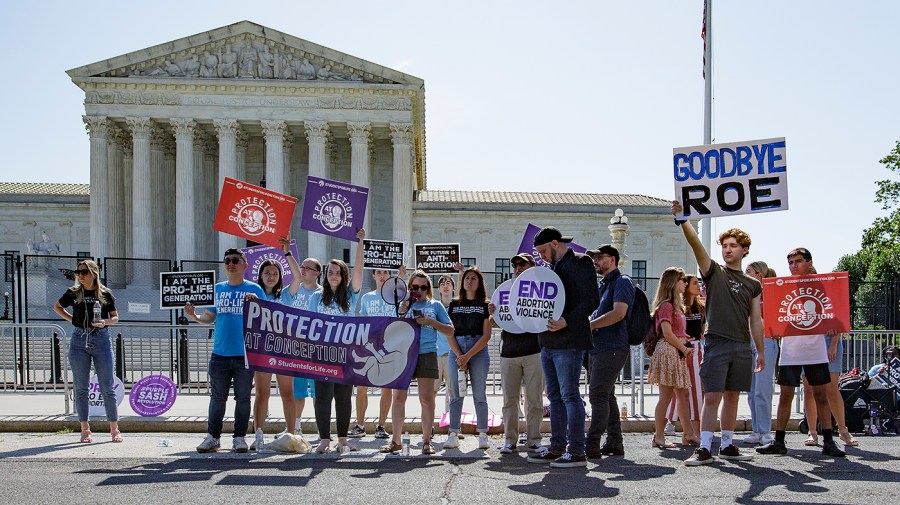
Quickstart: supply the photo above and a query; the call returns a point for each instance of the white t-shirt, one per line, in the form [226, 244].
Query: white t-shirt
[803, 350]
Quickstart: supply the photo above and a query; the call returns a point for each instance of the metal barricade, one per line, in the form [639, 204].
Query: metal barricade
[32, 358]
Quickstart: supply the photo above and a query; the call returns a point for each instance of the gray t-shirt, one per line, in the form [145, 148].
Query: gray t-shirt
[728, 297]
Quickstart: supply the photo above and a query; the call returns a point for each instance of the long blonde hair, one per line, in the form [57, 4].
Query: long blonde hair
[666, 291]
[78, 289]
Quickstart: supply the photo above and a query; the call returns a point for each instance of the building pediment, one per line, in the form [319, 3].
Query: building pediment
[243, 51]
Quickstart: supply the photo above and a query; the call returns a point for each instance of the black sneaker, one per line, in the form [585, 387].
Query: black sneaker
[700, 457]
[543, 455]
[569, 461]
[732, 453]
[380, 432]
[357, 431]
[594, 453]
[775, 447]
[831, 449]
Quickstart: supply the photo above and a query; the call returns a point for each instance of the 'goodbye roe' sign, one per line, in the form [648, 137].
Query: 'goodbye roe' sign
[535, 297]
[254, 213]
[731, 179]
[806, 304]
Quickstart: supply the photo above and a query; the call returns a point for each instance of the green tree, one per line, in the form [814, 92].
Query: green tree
[875, 269]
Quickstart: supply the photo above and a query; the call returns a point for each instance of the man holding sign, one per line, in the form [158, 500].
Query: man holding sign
[802, 355]
[732, 301]
[562, 349]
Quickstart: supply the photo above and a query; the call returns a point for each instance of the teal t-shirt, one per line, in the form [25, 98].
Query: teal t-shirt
[316, 305]
[228, 335]
[372, 304]
[428, 336]
[301, 299]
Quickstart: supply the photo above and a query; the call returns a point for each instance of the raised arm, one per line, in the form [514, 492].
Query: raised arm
[356, 279]
[295, 267]
[700, 253]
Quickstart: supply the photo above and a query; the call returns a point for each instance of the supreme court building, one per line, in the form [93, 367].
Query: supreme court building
[169, 123]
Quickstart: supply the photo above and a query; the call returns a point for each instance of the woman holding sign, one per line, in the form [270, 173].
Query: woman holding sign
[269, 278]
[468, 353]
[338, 297]
[668, 366]
[93, 311]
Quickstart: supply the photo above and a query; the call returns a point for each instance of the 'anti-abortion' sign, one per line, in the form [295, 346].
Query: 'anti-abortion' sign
[178, 288]
[731, 179]
[334, 208]
[502, 315]
[806, 304]
[437, 258]
[535, 297]
[382, 254]
[254, 213]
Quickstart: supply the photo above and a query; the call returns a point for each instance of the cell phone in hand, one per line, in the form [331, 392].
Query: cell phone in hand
[681, 354]
[417, 313]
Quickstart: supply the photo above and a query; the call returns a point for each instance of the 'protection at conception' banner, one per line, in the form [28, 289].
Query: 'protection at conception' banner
[364, 351]
[806, 304]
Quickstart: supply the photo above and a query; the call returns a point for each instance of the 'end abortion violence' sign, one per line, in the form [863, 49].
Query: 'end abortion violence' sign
[731, 179]
[535, 297]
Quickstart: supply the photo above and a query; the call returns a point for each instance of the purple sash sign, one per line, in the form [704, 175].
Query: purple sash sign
[152, 396]
[363, 351]
[527, 245]
[257, 254]
[334, 208]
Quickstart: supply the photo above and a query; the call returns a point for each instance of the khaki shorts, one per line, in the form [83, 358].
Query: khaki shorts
[442, 369]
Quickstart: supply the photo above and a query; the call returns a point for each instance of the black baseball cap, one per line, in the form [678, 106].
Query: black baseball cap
[527, 258]
[604, 249]
[549, 234]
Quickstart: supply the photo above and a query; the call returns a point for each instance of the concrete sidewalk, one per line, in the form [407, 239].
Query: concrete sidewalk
[45, 412]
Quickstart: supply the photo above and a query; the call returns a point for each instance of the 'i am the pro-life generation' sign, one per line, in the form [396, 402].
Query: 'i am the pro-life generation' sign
[437, 258]
[731, 179]
[254, 213]
[178, 288]
[382, 254]
[334, 208]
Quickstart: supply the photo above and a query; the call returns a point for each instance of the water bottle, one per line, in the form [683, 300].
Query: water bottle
[260, 441]
[405, 443]
[97, 316]
[623, 412]
[462, 384]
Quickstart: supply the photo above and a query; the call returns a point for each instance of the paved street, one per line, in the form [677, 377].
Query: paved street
[41, 468]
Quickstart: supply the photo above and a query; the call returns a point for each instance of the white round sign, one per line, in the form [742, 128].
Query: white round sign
[502, 317]
[535, 297]
[96, 407]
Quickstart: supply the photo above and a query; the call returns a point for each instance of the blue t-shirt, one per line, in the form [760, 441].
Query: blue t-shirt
[614, 337]
[301, 299]
[373, 304]
[316, 305]
[428, 336]
[228, 335]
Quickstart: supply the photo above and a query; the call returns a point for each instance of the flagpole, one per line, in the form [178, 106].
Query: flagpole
[707, 33]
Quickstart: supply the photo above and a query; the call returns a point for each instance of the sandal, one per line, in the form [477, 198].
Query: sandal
[86, 437]
[391, 447]
[427, 448]
[847, 438]
[326, 450]
[665, 444]
[690, 441]
[812, 439]
[116, 436]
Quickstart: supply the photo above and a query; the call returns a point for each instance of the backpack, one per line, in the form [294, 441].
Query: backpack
[651, 339]
[638, 320]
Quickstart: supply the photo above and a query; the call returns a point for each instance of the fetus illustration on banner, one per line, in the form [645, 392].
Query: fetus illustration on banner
[385, 366]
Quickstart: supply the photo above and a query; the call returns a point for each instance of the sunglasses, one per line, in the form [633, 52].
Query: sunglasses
[683, 279]
[83, 272]
[418, 287]
[232, 261]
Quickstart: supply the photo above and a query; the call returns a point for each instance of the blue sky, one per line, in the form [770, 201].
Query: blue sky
[536, 96]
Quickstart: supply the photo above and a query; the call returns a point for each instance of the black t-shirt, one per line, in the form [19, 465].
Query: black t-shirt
[468, 317]
[516, 345]
[83, 311]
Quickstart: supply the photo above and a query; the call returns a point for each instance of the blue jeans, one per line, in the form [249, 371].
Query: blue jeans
[84, 347]
[478, 371]
[761, 389]
[562, 369]
[222, 371]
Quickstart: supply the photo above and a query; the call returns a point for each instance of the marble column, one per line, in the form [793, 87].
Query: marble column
[241, 144]
[115, 273]
[226, 129]
[157, 191]
[127, 194]
[185, 192]
[401, 135]
[210, 179]
[199, 201]
[360, 131]
[316, 134]
[273, 132]
[290, 184]
[98, 127]
[142, 222]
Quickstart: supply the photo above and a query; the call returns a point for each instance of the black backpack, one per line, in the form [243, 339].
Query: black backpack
[638, 320]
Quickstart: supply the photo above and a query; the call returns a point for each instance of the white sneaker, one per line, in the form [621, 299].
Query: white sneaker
[238, 444]
[670, 428]
[452, 441]
[766, 439]
[209, 444]
[754, 439]
[281, 434]
[507, 448]
[483, 441]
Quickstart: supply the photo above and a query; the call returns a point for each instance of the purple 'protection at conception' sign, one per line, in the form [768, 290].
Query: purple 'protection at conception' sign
[527, 245]
[152, 395]
[334, 208]
[257, 254]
